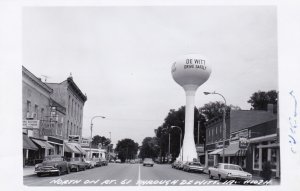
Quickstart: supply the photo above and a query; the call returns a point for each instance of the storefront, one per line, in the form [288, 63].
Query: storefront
[58, 146]
[44, 149]
[235, 155]
[28, 150]
[265, 149]
[73, 150]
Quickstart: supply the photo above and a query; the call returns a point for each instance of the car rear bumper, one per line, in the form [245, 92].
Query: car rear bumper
[46, 171]
[197, 169]
[238, 178]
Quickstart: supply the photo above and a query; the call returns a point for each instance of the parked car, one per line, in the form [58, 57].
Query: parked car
[53, 164]
[91, 161]
[78, 163]
[224, 171]
[98, 162]
[118, 161]
[174, 164]
[180, 165]
[132, 162]
[193, 166]
[148, 162]
[104, 162]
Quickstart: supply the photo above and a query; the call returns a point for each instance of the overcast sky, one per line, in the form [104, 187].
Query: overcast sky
[121, 57]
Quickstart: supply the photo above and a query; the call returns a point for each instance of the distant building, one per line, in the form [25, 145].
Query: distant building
[70, 96]
[251, 140]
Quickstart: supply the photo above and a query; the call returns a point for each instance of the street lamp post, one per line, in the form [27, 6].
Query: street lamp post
[92, 132]
[109, 146]
[224, 122]
[169, 147]
[180, 141]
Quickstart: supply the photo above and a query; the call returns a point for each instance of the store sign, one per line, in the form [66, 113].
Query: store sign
[85, 142]
[74, 138]
[31, 124]
[237, 135]
[243, 143]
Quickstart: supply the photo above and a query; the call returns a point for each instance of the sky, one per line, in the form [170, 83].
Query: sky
[121, 57]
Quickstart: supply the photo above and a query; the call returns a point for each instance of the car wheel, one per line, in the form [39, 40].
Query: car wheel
[58, 173]
[84, 168]
[220, 178]
[151, 165]
[38, 174]
[209, 175]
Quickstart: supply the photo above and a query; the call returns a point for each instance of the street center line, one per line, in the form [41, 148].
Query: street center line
[139, 178]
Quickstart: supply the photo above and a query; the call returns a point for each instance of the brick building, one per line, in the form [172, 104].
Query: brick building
[251, 140]
[70, 96]
[43, 119]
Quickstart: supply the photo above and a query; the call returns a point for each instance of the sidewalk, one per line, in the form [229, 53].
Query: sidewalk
[28, 171]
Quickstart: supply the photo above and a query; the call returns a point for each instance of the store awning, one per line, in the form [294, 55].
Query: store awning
[216, 152]
[69, 148]
[74, 147]
[234, 150]
[43, 143]
[28, 144]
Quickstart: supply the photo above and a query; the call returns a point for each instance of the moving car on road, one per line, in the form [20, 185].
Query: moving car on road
[78, 163]
[224, 171]
[193, 166]
[148, 162]
[53, 164]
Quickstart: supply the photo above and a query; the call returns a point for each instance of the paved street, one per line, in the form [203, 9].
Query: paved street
[124, 175]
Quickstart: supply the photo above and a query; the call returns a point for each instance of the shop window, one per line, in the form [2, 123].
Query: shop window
[255, 157]
[273, 158]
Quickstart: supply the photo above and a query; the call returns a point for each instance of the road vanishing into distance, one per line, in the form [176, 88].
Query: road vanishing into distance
[116, 174]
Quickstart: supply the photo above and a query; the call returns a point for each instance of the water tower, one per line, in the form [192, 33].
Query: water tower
[190, 72]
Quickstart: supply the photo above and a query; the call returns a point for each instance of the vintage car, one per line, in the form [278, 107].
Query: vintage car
[148, 162]
[104, 162]
[52, 164]
[174, 164]
[224, 171]
[193, 166]
[180, 165]
[91, 161]
[78, 163]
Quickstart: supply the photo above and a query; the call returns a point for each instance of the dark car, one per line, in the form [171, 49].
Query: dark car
[78, 163]
[104, 162]
[148, 162]
[53, 164]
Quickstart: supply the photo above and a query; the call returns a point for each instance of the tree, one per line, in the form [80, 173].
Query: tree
[260, 99]
[126, 149]
[215, 109]
[149, 148]
[176, 118]
[100, 139]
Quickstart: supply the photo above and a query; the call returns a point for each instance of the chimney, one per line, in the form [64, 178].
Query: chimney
[270, 108]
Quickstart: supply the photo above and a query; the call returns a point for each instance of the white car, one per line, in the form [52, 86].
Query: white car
[91, 162]
[193, 166]
[224, 171]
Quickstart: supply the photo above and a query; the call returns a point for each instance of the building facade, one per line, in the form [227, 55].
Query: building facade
[252, 139]
[70, 96]
[43, 120]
